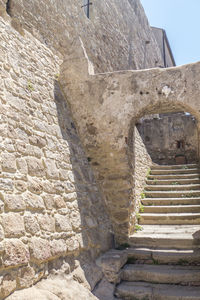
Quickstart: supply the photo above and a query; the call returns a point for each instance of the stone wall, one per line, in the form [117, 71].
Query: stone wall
[171, 138]
[50, 205]
[142, 164]
[53, 217]
[117, 37]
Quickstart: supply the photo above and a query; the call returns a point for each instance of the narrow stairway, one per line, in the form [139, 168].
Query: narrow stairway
[164, 258]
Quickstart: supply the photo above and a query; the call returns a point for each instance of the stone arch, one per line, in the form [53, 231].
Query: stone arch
[157, 108]
[105, 107]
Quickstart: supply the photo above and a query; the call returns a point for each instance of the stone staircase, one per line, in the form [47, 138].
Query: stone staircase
[163, 262]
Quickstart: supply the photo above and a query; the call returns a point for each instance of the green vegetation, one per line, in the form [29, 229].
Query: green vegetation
[142, 195]
[174, 183]
[57, 76]
[141, 208]
[30, 86]
[138, 216]
[148, 172]
[138, 228]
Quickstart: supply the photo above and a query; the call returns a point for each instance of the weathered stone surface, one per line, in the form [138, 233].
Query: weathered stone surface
[39, 250]
[31, 224]
[8, 162]
[93, 274]
[52, 201]
[14, 203]
[63, 223]
[58, 247]
[34, 202]
[6, 184]
[22, 165]
[16, 253]
[8, 286]
[72, 244]
[35, 186]
[13, 225]
[104, 290]
[20, 185]
[59, 202]
[54, 289]
[75, 220]
[108, 40]
[46, 222]
[35, 167]
[51, 169]
[26, 277]
[1, 233]
[37, 141]
[111, 263]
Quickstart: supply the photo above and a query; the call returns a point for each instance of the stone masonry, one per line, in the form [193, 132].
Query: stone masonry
[170, 137]
[108, 136]
[49, 201]
[69, 182]
[112, 43]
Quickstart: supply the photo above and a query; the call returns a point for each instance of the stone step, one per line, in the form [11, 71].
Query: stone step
[172, 194]
[172, 187]
[163, 256]
[150, 291]
[164, 241]
[169, 218]
[174, 176]
[167, 236]
[171, 229]
[171, 201]
[170, 167]
[172, 209]
[174, 171]
[172, 274]
[173, 182]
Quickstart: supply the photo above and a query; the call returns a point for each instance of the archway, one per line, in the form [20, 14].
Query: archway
[141, 155]
[106, 108]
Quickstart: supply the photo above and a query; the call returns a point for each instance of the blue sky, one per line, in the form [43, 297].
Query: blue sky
[181, 20]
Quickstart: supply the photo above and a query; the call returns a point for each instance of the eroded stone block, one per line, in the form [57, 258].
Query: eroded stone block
[63, 223]
[16, 253]
[39, 250]
[35, 166]
[14, 203]
[31, 224]
[8, 162]
[13, 225]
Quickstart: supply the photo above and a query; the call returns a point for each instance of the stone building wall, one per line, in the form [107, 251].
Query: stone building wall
[52, 213]
[117, 37]
[142, 164]
[50, 205]
[171, 138]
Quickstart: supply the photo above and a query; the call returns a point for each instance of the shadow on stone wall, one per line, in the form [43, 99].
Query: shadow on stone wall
[95, 230]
